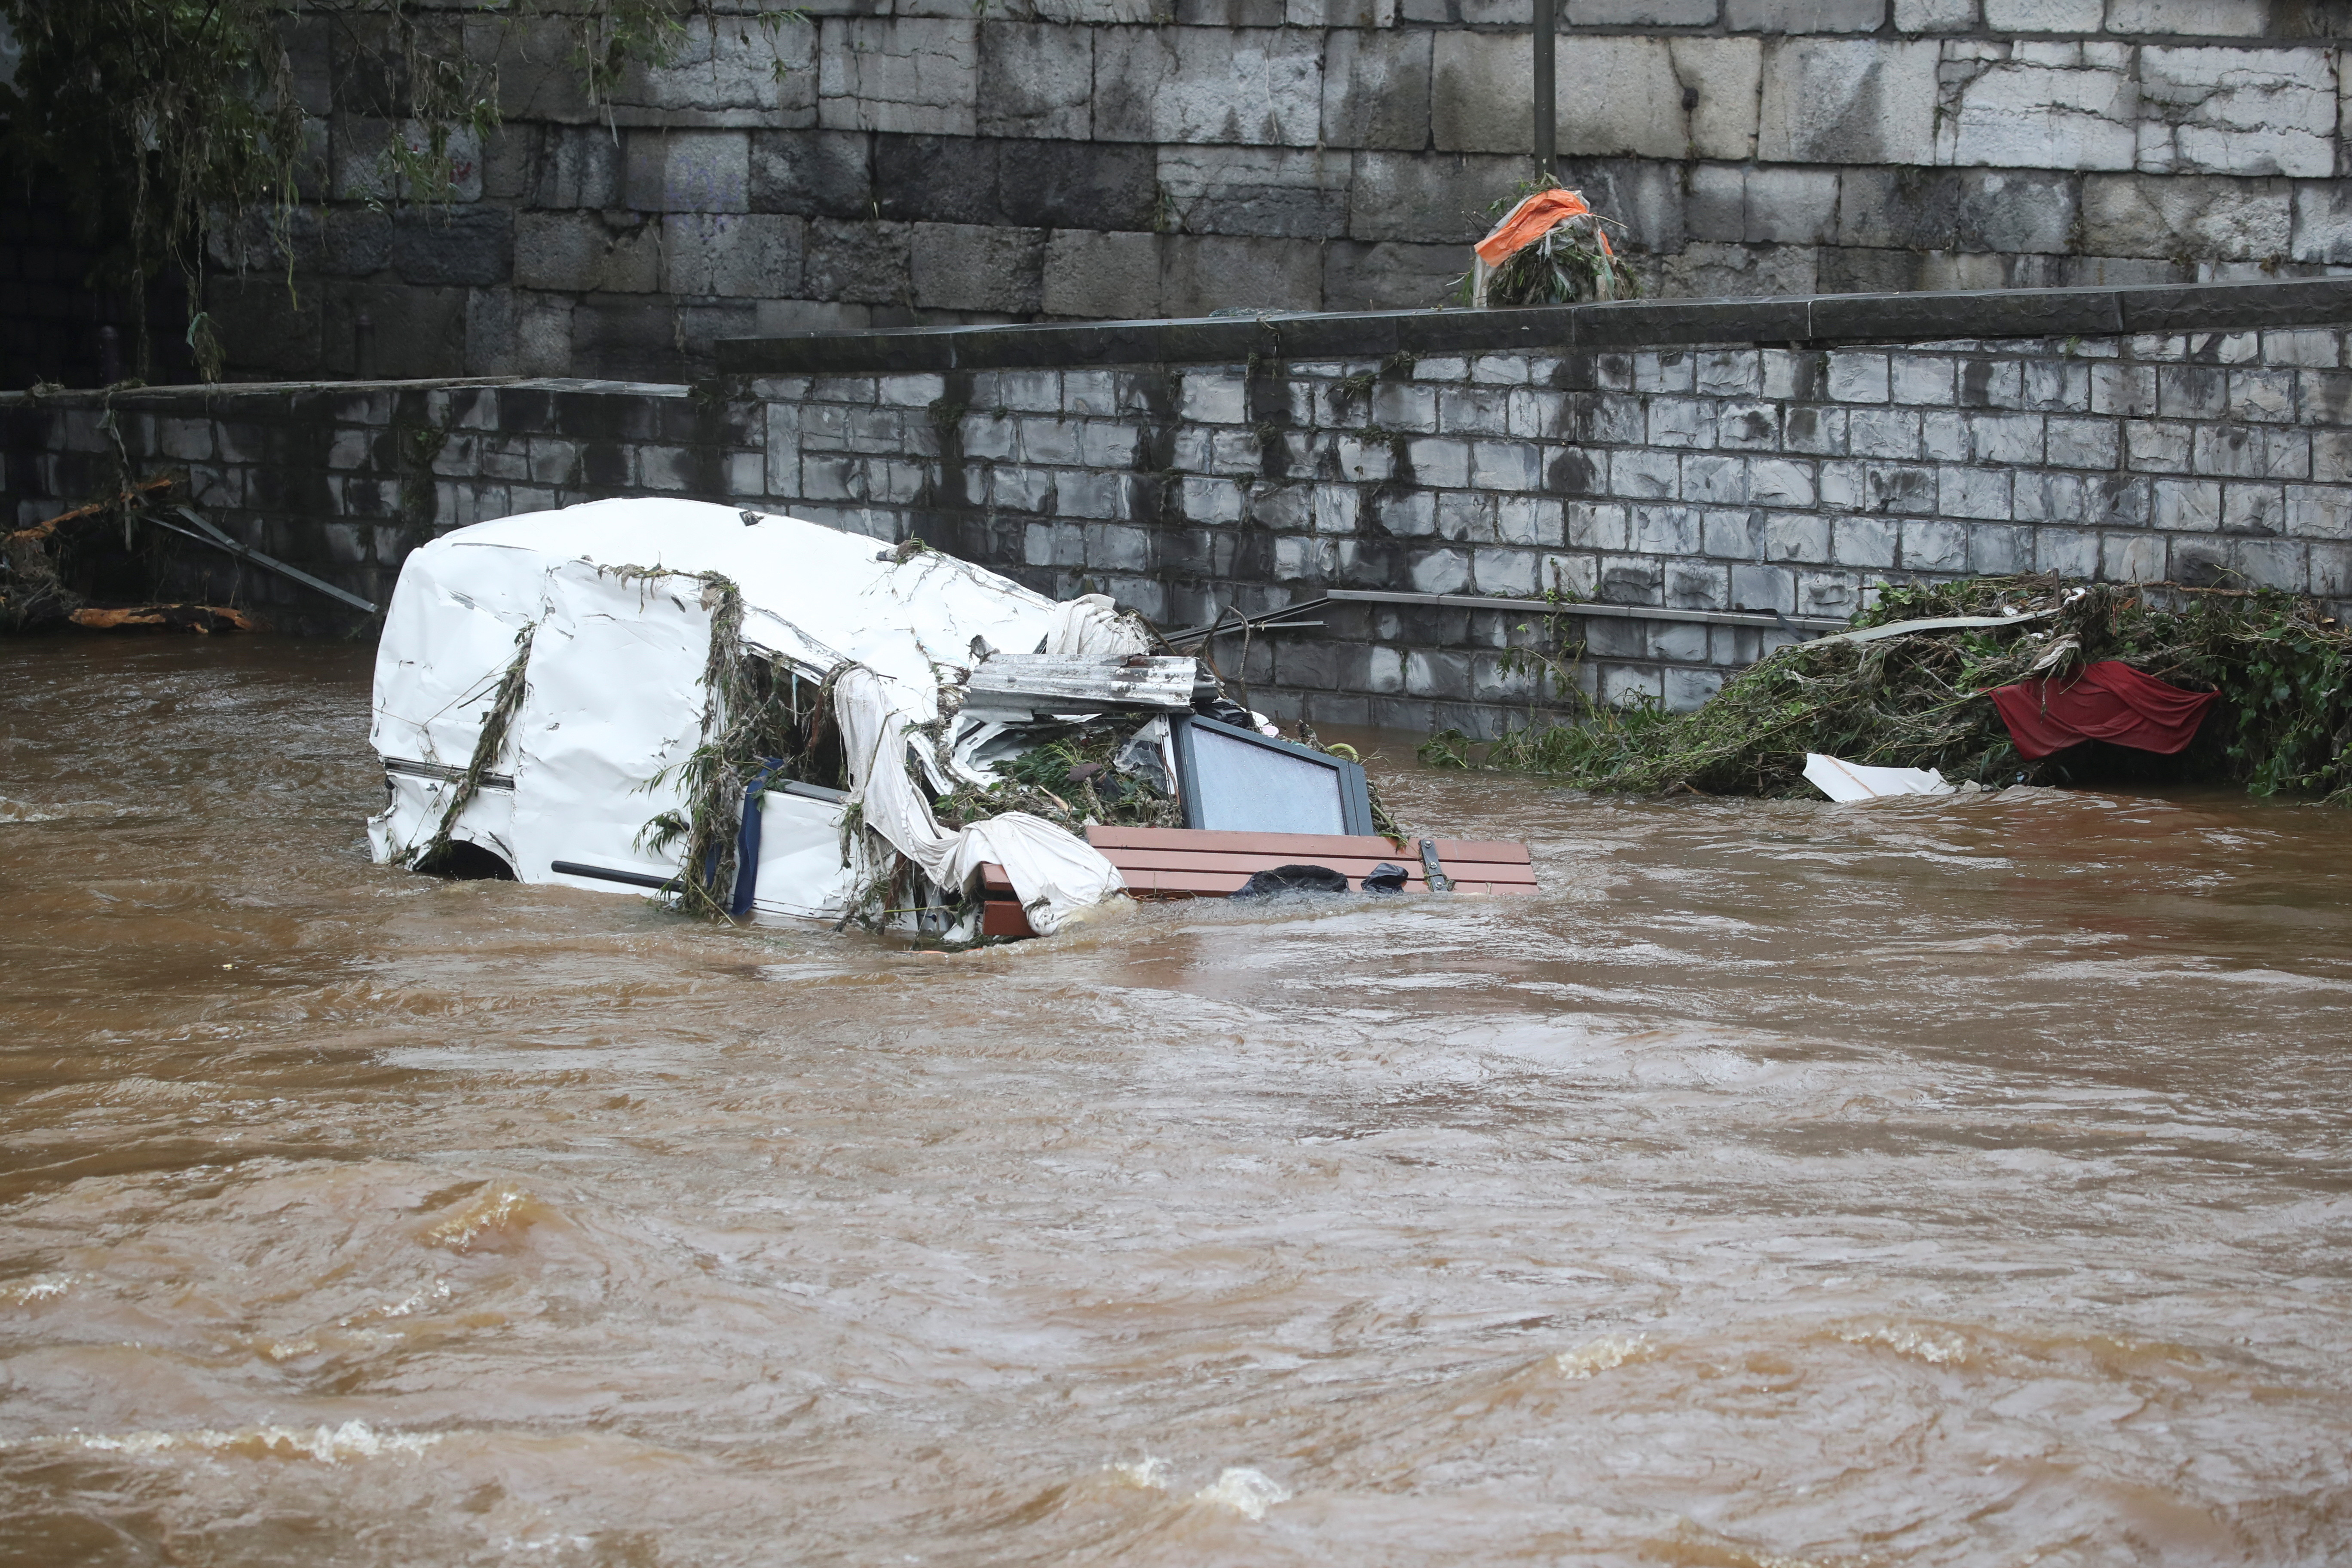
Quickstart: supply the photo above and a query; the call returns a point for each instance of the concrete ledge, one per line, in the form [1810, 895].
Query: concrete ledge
[276, 392]
[1818, 320]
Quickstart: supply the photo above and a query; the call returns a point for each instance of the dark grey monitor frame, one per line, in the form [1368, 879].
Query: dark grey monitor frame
[1355, 794]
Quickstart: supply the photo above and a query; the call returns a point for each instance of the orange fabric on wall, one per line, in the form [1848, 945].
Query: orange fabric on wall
[1529, 222]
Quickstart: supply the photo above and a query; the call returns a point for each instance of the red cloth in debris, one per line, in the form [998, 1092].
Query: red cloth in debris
[2109, 700]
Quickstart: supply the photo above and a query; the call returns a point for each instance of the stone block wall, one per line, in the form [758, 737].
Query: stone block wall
[881, 163]
[1715, 496]
[345, 479]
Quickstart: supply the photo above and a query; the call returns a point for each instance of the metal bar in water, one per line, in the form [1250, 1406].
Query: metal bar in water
[606, 874]
[219, 541]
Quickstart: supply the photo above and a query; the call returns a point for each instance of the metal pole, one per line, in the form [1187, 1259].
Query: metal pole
[1546, 101]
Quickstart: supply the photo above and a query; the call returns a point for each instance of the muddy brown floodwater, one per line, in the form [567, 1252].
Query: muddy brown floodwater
[1913, 1184]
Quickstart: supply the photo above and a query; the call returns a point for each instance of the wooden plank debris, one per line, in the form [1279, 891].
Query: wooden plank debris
[133, 496]
[177, 617]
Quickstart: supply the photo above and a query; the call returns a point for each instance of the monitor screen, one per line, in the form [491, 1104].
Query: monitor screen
[1243, 786]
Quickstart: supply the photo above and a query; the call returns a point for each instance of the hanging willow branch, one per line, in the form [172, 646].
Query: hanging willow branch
[159, 119]
[487, 745]
[177, 130]
[750, 722]
[714, 773]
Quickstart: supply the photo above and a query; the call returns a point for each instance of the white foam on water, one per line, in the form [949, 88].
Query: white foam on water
[494, 1211]
[1246, 1491]
[326, 1445]
[22, 811]
[37, 1288]
[1147, 1473]
[415, 1302]
[1943, 1349]
[1601, 1354]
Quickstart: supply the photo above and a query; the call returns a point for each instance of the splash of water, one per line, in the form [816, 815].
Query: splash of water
[496, 1214]
[1246, 1491]
[1602, 1354]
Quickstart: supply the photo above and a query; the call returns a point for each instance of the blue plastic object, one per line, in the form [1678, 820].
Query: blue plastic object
[747, 841]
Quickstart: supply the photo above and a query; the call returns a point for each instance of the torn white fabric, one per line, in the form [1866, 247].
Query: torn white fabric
[1052, 873]
[447, 639]
[1843, 781]
[1090, 626]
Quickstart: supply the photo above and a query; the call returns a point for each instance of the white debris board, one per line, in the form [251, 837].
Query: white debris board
[1056, 683]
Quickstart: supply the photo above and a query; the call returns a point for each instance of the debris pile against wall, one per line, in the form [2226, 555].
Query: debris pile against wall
[1547, 248]
[42, 582]
[1119, 162]
[1972, 680]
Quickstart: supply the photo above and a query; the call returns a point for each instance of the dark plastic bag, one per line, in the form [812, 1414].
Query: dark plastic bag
[1293, 880]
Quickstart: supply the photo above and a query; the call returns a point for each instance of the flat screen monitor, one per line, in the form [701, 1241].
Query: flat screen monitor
[1237, 780]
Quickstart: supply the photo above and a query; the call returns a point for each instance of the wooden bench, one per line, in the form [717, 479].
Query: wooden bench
[1189, 863]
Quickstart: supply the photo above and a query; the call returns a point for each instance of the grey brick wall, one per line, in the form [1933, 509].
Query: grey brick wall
[1688, 480]
[899, 162]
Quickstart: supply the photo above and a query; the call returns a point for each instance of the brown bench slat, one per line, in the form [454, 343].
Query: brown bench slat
[1227, 877]
[1224, 884]
[1356, 868]
[1303, 846]
[1005, 917]
[1261, 843]
[1147, 854]
[1182, 862]
[1182, 876]
[1197, 882]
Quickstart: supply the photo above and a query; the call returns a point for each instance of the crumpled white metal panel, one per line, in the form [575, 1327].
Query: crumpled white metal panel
[803, 872]
[613, 703]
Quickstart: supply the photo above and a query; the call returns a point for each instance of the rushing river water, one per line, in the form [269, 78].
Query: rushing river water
[1921, 1182]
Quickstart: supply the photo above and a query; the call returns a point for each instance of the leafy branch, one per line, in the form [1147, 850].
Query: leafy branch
[177, 128]
[161, 120]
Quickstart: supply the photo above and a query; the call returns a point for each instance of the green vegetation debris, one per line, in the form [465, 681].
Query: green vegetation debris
[488, 746]
[1070, 778]
[1566, 267]
[1923, 698]
[758, 714]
